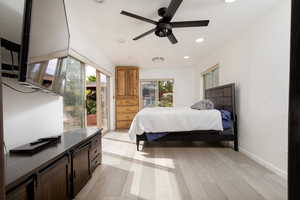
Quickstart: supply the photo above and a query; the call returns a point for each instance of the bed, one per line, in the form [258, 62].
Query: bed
[186, 124]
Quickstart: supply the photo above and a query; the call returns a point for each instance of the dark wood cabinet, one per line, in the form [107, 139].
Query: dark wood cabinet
[57, 173]
[81, 167]
[24, 191]
[53, 182]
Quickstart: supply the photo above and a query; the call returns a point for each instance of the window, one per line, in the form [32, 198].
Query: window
[74, 95]
[157, 93]
[211, 77]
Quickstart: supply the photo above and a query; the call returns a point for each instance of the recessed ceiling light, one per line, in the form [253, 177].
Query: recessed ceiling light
[158, 59]
[229, 1]
[186, 57]
[199, 40]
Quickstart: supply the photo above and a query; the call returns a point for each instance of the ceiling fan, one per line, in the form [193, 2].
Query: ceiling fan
[164, 26]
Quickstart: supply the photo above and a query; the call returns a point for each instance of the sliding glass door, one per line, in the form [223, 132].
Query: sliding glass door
[104, 100]
[97, 98]
[91, 97]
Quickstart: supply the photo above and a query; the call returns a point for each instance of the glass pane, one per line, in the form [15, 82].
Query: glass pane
[104, 100]
[74, 106]
[210, 80]
[33, 72]
[60, 84]
[49, 75]
[149, 93]
[91, 96]
[216, 77]
[165, 94]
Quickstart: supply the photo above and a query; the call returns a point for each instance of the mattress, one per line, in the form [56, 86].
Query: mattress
[162, 120]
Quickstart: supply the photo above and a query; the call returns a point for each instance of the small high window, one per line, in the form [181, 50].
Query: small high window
[211, 77]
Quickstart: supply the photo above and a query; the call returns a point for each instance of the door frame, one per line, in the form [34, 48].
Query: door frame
[98, 99]
[99, 107]
[294, 106]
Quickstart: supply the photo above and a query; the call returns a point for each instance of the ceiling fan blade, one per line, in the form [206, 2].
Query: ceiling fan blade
[190, 24]
[172, 38]
[144, 34]
[138, 17]
[174, 5]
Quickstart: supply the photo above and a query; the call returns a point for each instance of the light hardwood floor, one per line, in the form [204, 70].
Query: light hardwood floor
[173, 171]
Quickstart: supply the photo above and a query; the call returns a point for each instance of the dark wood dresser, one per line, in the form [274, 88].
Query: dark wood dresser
[56, 173]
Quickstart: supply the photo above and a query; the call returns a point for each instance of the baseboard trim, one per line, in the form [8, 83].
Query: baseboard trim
[264, 163]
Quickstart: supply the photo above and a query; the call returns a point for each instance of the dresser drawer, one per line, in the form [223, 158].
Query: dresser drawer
[95, 163]
[127, 102]
[127, 109]
[95, 147]
[125, 116]
[94, 152]
[123, 124]
[96, 141]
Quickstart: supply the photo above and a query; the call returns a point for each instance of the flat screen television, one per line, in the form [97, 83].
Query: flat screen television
[44, 45]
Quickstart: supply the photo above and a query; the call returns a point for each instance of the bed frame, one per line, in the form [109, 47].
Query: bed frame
[224, 98]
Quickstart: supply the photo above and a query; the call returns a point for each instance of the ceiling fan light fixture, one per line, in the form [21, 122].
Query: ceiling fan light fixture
[229, 1]
[158, 59]
[186, 57]
[164, 26]
[199, 40]
[99, 1]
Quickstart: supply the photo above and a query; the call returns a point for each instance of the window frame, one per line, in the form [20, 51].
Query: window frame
[155, 79]
[206, 72]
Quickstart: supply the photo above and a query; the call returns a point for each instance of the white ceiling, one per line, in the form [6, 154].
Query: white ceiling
[103, 24]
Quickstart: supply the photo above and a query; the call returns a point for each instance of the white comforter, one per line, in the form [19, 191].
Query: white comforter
[156, 120]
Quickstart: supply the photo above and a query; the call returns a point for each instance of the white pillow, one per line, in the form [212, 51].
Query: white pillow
[205, 104]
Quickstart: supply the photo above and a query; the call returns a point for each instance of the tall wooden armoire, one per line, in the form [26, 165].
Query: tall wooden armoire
[127, 95]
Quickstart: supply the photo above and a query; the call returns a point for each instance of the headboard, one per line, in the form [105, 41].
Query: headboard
[223, 97]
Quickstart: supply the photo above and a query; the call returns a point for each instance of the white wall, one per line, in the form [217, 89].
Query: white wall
[28, 117]
[184, 85]
[258, 62]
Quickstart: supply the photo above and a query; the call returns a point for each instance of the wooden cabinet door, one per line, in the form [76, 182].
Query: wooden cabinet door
[132, 82]
[53, 182]
[24, 191]
[81, 168]
[127, 82]
[121, 82]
